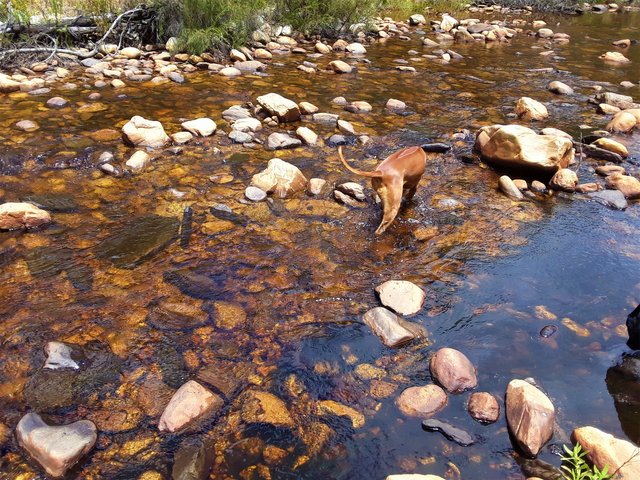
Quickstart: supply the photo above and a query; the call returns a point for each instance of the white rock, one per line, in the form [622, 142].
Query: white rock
[386, 325]
[247, 125]
[18, 215]
[144, 133]
[280, 177]
[401, 296]
[201, 127]
[190, 402]
[286, 110]
[138, 161]
[56, 448]
[307, 135]
[59, 356]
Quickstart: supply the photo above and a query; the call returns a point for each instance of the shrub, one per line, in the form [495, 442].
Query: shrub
[576, 468]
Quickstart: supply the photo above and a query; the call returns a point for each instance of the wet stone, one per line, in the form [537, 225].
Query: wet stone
[237, 136]
[255, 194]
[55, 448]
[423, 402]
[388, 326]
[453, 370]
[401, 296]
[452, 433]
[277, 141]
[171, 315]
[59, 356]
[548, 331]
[225, 377]
[193, 461]
[52, 390]
[265, 407]
[190, 403]
[139, 240]
[483, 407]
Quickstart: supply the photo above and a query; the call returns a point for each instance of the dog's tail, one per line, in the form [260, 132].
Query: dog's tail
[374, 174]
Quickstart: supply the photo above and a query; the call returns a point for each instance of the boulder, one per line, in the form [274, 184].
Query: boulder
[200, 127]
[604, 449]
[55, 448]
[483, 407]
[286, 110]
[622, 122]
[633, 329]
[8, 85]
[140, 132]
[453, 370]
[529, 109]
[190, 402]
[18, 215]
[401, 296]
[530, 416]
[628, 185]
[417, 19]
[515, 146]
[565, 180]
[280, 177]
[388, 326]
[422, 402]
[130, 52]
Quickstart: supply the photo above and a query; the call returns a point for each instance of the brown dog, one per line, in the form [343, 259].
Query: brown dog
[400, 172]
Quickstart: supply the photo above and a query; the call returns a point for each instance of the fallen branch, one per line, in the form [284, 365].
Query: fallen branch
[77, 53]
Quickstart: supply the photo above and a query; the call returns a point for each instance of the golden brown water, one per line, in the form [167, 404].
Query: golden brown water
[283, 286]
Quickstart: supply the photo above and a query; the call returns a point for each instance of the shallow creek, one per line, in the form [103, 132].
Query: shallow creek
[283, 286]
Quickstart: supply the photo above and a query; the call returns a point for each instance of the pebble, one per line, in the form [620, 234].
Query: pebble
[59, 356]
[401, 296]
[255, 194]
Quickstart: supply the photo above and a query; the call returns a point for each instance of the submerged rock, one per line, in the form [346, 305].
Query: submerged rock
[423, 402]
[331, 407]
[138, 240]
[401, 296]
[265, 407]
[190, 403]
[453, 370]
[17, 215]
[605, 450]
[515, 146]
[171, 315]
[193, 461]
[530, 416]
[56, 448]
[388, 326]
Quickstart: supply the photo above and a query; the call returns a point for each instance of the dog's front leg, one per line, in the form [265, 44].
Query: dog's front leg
[390, 192]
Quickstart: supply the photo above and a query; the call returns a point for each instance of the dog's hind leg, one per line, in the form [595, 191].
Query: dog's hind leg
[391, 196]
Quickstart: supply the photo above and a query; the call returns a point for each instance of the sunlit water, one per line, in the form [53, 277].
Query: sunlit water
[303, 269]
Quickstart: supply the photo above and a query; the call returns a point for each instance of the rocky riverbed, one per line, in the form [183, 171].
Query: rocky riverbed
[192, 288]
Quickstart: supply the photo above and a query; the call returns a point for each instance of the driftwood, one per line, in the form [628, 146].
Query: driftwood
[597, 152]
[53, 50]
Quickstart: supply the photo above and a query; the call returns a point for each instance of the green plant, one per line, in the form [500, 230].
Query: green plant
[576, 468]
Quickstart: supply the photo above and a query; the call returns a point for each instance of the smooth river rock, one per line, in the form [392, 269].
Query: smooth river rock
[18, 215]
[453, 370]
[422, 402]
[280, 177]
[629, 186]
[144, 133]
[190, 403]
[401, 296]
[278, 141]
[518, 147]
[530, 416]
[610, 198]
[55, 448]
[606, 450]
[483, 407]
[565, 180]
[388, 326]
[200, 127]
[193, 461]
[529, 109]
